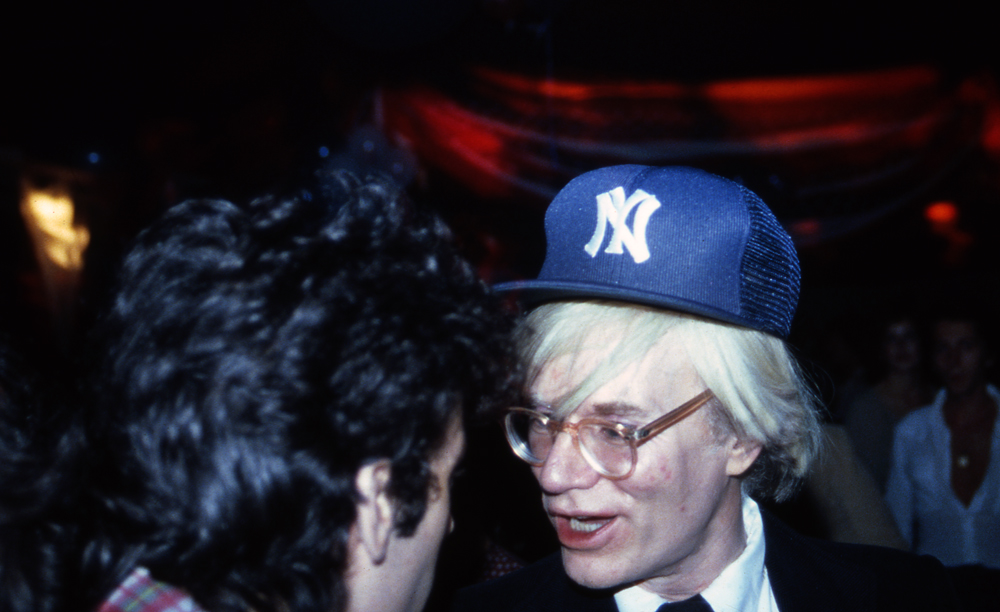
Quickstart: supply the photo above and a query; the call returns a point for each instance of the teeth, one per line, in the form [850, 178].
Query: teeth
[586, 526]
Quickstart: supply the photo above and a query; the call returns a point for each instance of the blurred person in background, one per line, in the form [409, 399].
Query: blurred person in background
[899, 388]
[944, 483]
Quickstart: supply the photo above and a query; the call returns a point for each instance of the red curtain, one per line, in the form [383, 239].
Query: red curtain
[830, 153]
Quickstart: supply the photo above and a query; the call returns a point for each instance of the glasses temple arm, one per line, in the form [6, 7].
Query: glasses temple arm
[674, 416]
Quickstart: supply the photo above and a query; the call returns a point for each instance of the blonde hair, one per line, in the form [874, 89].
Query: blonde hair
[761, 392]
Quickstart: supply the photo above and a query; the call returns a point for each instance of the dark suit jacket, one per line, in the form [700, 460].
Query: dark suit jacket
[806, 575]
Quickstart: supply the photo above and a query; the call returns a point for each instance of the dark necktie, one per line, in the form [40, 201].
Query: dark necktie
[694, 604]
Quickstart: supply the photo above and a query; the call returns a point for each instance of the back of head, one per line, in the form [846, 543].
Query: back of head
[256, 357]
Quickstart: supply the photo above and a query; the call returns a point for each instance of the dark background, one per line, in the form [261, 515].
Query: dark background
[182, 99]
[142, 105]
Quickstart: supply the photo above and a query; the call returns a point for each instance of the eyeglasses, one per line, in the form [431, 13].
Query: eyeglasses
[610, 448]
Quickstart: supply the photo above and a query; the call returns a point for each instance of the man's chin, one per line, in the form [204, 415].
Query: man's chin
[592, 572]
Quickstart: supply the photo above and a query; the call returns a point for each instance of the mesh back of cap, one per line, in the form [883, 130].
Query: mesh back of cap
[770, 274]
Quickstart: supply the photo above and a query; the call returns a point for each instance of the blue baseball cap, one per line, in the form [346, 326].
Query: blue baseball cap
[675, 238]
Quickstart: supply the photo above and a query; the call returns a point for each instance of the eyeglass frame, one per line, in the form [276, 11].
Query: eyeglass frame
[635, 436]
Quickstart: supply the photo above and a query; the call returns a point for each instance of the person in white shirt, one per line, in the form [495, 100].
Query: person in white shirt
[944, 484]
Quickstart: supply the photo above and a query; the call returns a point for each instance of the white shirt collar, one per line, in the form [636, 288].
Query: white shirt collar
[738, 588]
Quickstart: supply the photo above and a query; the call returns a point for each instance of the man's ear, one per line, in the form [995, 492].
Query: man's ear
[375, 512]
[742, 454]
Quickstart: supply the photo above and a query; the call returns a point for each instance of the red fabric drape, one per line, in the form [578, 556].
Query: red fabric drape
[838, 151]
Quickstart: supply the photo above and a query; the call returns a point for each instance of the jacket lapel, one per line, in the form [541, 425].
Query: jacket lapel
[806, 577]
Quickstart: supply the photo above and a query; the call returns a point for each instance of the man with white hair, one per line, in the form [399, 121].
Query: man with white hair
[662, 399]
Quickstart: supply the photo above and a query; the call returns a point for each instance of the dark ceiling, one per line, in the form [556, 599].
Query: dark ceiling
[226, 98]
[85, 76]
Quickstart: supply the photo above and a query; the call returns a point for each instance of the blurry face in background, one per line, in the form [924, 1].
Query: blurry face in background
[901, 346]
[960, 356]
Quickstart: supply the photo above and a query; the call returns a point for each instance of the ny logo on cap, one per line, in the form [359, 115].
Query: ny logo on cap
[613, 208]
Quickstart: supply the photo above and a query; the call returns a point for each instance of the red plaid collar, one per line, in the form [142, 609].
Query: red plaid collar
[140, 593]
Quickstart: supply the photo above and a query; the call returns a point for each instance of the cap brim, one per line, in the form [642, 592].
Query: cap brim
[532, 293]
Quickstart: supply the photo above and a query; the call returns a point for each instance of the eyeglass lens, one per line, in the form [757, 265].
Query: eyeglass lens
[604, 447]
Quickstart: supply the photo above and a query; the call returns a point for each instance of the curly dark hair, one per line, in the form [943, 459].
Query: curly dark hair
[255, 358]
[23, 481]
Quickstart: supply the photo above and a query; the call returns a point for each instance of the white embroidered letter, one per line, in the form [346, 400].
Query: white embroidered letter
[613, 208]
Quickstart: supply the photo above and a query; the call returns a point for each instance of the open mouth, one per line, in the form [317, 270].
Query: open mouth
[587, 524]
[583, 532]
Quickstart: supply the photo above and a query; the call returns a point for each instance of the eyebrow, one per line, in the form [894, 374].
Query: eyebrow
[603, 409]
[619, 409]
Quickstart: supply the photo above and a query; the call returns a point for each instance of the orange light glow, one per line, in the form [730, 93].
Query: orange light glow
[941, 213]
[48, 214]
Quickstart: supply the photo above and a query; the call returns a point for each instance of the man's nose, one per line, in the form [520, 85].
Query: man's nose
[565, 468]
